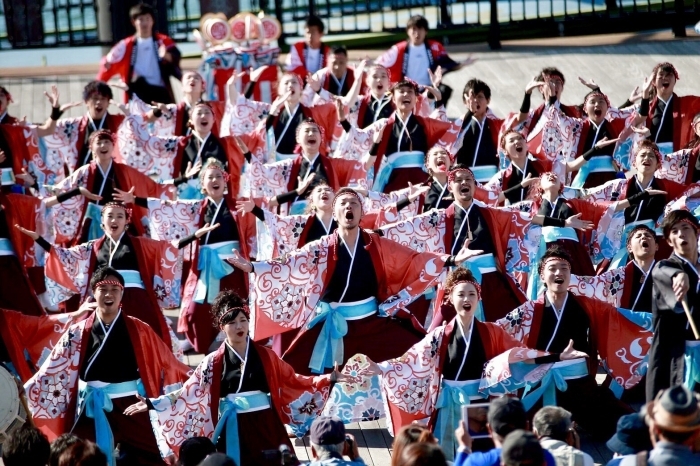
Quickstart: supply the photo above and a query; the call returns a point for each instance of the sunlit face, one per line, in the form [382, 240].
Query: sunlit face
[237, 331]
[645, 161]
[664, 81]
[438, 161]
[549, 181]
[683, 238]
[289, 84]
[696, 126]
[462, 186]
[515, 146]
[144, 25]
[102, 148]
[476, 103]
[555, 85]
[213, 183]
[417, 35]
[97, 105]
[338, 63]
[114, 221]
[309, 138]
[596, 108]
[378, 80]
[108, 297]
[202, 119]
[642, 245]
[313, 36]
[192, 83]
[465, 299]
[348, 211]
[556, 275]
[3, 102]
[405, 98]
[322, 197]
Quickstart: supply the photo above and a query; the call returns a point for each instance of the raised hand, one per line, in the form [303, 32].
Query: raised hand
[53, 97]
[466, 253]
[414, 191]
[435, 92]
[255, 74]
[647, 85]
[339, 108]
[279, 102]
[70, 105]
[245, 205]
[643, 132]
[206, 229]
[528, 180]
[125, 197]
[314, 82]
[303, 185]
[570, 353]
[32, 234]
[120, 84]
[605, 142]
[140, 407]
[575, 222]
[435, 78]
[591, 84]
[240, 263]
[87, 194]
[26, 177]
[87, 306]
[534, 84]
[193, 170]
[162, 107]
[360, 69]
[122, 107]
[636, 94]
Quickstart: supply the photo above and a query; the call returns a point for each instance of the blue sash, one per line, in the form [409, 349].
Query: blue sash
[665, 147]
[620, 257]
[298, 207]
[7, 176]
[213, 268]
[407, 159]
[229, 408]
[6, 248]
[96, 401]
[692, 364]
[453, 395]
[279, 156]
[329, 346]
[190, 191]
[132, 279]
[554, 380]
[549, 235]
[94, 213]
[480, 265]
[598, 164]
[484, 173]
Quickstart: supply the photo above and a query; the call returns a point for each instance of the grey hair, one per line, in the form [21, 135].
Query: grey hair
[325, 450]
[553, 422]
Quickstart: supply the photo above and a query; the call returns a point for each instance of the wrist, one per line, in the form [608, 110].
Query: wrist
[157, 112]
[56, 113]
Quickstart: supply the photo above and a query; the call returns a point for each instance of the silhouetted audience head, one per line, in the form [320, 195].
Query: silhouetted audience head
[83, 453]
[194, 450]
[26, 446]
[61, 444]
[409, 435]
[423, 454]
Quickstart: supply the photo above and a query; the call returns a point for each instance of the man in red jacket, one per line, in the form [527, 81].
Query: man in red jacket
[311, 54]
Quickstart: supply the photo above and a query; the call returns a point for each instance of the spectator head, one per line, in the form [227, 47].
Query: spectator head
[417, 28]
[642, 242]
[5, 99]
[553, 422]
[505, 415]
[647, 157]
[674, 415]
[632, 436]
[514, 144]
[313, 31]
[477, 96]
[194, 450]
[437, 160]
[96, 95]
[338, 61]
[521, 448]
[101, 143]
[555, 269]
[61, 444]
[327, 436]
[83, 453]
[674, 222]
[408, 435]
[665, 77]
[143, 17]
[217, 459]
[423, 454]
[26, 446]
[404, 95]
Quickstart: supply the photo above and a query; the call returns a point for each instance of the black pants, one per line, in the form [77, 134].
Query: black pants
[149, 93]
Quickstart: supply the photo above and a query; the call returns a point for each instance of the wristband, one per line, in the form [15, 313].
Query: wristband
[644, 107]
[525, 106]
[56, 113]
[553, 222]
[589, 154]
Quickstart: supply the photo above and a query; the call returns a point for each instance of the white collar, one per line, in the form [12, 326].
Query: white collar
[311, 161]
[141, 40]
[665, 101]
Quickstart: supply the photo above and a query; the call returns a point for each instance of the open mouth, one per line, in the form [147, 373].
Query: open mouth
[478, 107]
[240, 334]
[464, 190]
[215, 187]
[441, 165]
[204, 123]
[518, 148]
[325, 197]
[684, 243]
[312, 140]
[380, 87]
[349, 215]
[597, 112]
[406, 101]
[467, 306]
[665, 84]
[109, 302]
[114, 227]
[645, 244]
[104, 151]
[559, 281]
[646, 164]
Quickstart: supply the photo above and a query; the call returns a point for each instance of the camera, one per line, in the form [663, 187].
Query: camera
[283, 455]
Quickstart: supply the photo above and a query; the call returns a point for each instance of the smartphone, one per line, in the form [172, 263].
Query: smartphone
[475, 418]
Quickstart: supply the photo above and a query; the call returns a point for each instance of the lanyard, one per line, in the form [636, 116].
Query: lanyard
[116, 246]
[2, 117]
[352, 261]
[326, 228]
[559, 314]
[286, 126]
[104, 340]
[340, 83]
[467, 342]
[94, 128]
[244, 361]
[202, 142]
[523, 174]
[646, 275]
[553, 205]
[380, 104]
[597, 130]
[639, 209]
[442, 193]
[465, 220]
[403, 130]
[216, 213]
[697, 287]
[104, 177]
[663, 117]
[478, 141]
[310, 171]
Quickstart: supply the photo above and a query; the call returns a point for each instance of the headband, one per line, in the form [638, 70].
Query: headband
[543, 264]
[233, 310]
[321, 130]
[121, 206]
[654, 148]
[406, 82]
[667, 65]
[108, 282]
[101, 134]
[352, 192]
[636, 229]
[377, 65]
[476, 285]
[296, 76]
[452, 173]
[214, 164]
[596, 93]
[689, 222]
[502, 142]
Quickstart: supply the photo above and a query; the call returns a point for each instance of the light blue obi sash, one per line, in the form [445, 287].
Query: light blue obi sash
[329, 346]
[6, 248]
[597, 164]
[554, 380]
[549, 235]
[191, 190]
[298, 207]
[692, 364]
[7, 176]
[229, 409]
[620, 257]
[479, 266]
[453, 395]
[665, 147]
[212, 268]
[406, 159]
[96, 399]
[94, 213]
[484, 173]
[280, 156]
[132, 279]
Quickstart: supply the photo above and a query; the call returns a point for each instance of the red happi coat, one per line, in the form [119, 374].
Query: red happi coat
[535, 139]
[52, 392]
[395, 58]
[338, 171]
[35, 334]
[684, 109]
[23, 144]
[325, 116]
[296, 61]
[365, 100]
